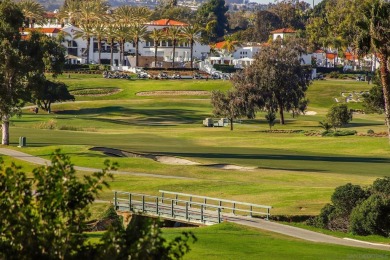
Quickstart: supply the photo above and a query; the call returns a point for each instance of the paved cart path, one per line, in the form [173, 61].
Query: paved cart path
[303, 233]
[246, 221]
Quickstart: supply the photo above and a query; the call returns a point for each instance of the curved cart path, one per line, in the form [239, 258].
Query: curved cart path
[303, 233]
[251, 222]
[37, 160]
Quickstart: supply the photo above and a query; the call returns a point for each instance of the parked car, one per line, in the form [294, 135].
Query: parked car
[162, 75]
[176, 75]
[215, 75]
[319, 76]
[143, 75]
[359, 78]
[197, 76]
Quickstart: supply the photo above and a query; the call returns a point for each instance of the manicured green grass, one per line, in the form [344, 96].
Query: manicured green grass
[231, 241]
[296, 174]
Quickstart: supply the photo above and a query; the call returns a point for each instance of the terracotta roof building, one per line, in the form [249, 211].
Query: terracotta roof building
[282, 33]
[167, 22]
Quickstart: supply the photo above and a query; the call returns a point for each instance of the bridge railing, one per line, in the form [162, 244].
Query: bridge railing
[227, 206]
[171, 208]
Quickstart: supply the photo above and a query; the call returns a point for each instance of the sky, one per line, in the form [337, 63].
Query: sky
[272, 1]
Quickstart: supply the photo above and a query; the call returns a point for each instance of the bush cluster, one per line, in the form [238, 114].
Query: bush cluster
[50, 124]
[225, 68]
[339, 133]
[357, 210]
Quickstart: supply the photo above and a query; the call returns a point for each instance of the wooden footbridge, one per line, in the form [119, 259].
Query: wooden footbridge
[187, 208]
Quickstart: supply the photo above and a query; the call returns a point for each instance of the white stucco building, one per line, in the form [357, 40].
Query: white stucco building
[76, 46]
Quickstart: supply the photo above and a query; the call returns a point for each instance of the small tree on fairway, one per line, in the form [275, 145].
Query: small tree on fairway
[325, 125]
[51, 92]
[270, 117]
[229, 105]
[276, 80]
[339, 115]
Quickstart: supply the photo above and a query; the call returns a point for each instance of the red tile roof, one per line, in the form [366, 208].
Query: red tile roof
[284, 30]
[165, 22]
[219, 45]
[349, 56]
[331, 56]
[319, 51]
[50, 15]
[43, 30]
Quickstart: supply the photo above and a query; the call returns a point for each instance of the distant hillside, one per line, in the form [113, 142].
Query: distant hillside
[51, 5]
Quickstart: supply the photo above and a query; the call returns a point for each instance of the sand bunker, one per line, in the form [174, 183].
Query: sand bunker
[231, 167]
[174, 93]
[310, 113]
[167, 159]
[174, 160]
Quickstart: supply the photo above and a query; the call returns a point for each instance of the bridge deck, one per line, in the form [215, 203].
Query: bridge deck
[207, 211]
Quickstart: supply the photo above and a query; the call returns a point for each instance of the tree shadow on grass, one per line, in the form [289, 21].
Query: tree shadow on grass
[284, 157]
[353, 124]
[153, 116]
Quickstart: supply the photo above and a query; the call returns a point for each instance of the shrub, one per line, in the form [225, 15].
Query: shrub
[346, 197]
[381, 187]
[339, 115]
[339, 133]
[323, 219]
[371, 217]
[334, 75]
[325, 125]
[70, 128]
[225, 68]
[51, 124]
[370, 132]
[359, 211]
[270, 117]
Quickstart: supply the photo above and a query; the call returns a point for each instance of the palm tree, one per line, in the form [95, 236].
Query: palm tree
[33, 12]
[374, 35]
[192, 34]
[99, 31]
[69, 12]
[91, 11]
[128, 14]
[137, 33]
[156, 36]
[129, 20]
[174, 33]
[122, 33]
[111, 35]
[229, 45]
